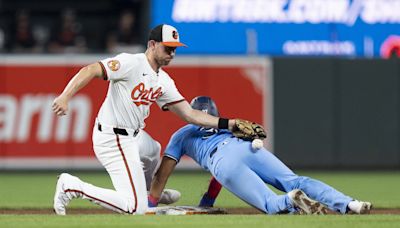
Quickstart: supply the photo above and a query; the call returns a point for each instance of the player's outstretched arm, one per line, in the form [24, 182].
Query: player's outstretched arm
[243, 129]
[80, 80]
[193, 116]
[160, 180]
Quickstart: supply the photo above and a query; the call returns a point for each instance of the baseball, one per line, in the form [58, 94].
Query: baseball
[257, 144]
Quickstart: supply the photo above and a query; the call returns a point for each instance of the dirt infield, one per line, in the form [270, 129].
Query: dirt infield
[232, 211]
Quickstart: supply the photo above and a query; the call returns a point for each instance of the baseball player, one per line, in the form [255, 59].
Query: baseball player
[245, 171]
[121, 145]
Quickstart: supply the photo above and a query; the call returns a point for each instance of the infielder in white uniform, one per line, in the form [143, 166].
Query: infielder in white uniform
[127, 152]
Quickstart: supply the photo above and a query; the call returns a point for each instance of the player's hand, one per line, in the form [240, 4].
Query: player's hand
[60, 106]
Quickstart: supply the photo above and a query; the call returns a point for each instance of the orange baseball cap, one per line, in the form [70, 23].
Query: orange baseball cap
[167, 35]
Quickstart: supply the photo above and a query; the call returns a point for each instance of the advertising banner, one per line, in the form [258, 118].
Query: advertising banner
[367, 28]
[31, 136]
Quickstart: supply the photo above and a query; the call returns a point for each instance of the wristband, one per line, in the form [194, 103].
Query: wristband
[223, 123]
[152, 201]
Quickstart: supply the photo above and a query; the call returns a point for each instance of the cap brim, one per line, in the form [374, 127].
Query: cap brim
[174, 44]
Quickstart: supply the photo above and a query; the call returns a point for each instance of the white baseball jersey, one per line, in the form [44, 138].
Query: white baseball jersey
[130, 159]
[134, 86]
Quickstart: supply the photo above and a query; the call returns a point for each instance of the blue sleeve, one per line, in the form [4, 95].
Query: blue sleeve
[174, 148]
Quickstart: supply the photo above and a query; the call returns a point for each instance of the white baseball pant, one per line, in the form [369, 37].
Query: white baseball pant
[129, 170]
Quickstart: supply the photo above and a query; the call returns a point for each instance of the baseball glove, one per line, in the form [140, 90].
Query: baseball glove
[248, 131]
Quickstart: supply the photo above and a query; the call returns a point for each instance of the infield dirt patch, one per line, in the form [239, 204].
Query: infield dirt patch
[232, 211]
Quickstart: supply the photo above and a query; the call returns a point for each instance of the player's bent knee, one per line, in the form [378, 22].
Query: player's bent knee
[155, 152]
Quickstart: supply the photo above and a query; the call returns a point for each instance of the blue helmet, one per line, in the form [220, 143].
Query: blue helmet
[205, 104]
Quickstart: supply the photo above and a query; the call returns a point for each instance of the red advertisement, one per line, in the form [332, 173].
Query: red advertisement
[30, 131]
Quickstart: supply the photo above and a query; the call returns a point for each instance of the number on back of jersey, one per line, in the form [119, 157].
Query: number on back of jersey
[208, 132]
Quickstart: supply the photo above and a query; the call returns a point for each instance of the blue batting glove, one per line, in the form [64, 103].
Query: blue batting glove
[206, 201]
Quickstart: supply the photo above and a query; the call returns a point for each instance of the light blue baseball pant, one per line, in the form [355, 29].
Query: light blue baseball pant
[244, 172]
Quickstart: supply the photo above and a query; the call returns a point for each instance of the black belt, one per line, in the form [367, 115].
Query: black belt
[120, 131]
[213, 151]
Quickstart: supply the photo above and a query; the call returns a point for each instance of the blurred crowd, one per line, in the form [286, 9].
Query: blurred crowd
[68, 34]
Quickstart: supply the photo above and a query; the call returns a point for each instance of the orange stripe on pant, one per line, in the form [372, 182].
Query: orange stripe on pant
[129, 173]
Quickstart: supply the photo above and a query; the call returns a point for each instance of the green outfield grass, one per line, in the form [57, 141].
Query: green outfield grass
[35, 190]
[231, 221]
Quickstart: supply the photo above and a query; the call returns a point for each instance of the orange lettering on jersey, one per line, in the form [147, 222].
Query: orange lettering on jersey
[142, 96]
[156, 94]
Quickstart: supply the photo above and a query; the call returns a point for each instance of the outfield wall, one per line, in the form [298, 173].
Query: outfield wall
[32, 137]
[337, 113]
[319, 113]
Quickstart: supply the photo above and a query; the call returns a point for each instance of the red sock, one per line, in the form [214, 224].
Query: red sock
[213, 188]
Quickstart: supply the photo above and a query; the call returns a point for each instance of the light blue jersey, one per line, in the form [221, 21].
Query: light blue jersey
[245, 171]
[196, 142]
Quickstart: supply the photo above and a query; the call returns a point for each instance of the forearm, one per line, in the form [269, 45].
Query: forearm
[202, 119]
[197, 117]
[161, 177]
[80, 80]
[157, 186]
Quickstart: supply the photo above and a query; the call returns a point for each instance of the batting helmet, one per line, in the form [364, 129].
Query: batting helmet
[205, 104]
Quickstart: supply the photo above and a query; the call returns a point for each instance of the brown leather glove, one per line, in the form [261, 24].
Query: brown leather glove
[248, 131]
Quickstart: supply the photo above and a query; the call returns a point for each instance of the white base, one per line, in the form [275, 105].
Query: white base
[184, 210]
